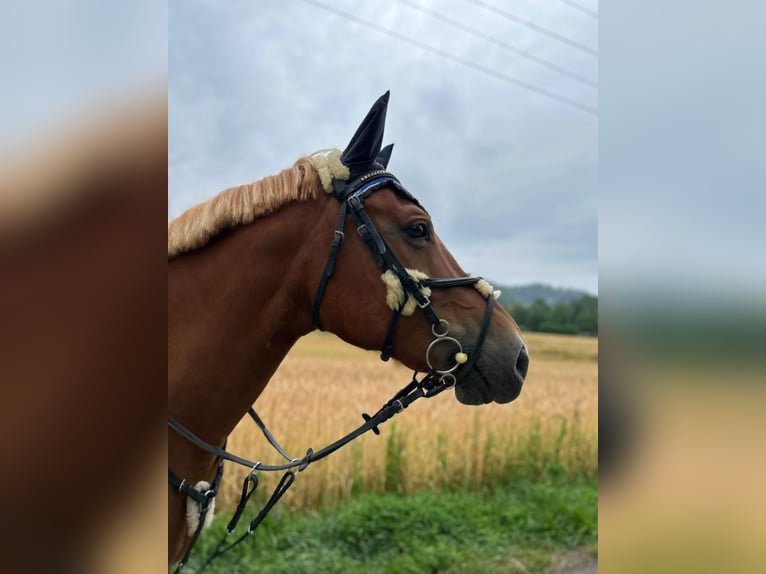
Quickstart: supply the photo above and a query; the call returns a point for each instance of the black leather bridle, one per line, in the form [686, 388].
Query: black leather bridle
[351, 197]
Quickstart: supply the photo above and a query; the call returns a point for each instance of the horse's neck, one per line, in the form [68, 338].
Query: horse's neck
[235, 308]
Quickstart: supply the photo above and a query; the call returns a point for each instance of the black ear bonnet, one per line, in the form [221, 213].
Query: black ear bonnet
[367, 160]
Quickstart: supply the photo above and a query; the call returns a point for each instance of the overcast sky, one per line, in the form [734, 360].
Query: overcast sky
[61, 60]
[508, 175]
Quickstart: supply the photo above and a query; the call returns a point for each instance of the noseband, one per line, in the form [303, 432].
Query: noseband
[352, 196]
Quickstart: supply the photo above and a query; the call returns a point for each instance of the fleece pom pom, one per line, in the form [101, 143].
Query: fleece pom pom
[483, 287]
[329, 167]
[396, 298]
[193, 508]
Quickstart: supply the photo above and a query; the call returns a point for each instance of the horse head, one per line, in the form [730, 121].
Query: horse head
[390, 283]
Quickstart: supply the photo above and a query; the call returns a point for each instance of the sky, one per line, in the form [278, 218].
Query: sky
[508, 174]
[61, 60]
[681, 171]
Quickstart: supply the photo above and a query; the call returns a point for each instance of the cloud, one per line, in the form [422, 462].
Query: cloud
[252, 89]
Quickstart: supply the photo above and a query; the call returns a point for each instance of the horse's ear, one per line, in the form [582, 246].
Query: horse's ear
[385, 155]
[364, 147]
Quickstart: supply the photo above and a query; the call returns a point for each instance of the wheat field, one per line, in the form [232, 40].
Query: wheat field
[323, 386]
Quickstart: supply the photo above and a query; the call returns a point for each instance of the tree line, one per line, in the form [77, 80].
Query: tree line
[578, 317]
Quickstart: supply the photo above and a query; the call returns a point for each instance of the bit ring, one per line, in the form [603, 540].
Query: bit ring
[433, 344]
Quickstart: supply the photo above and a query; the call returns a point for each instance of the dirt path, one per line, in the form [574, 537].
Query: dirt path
[575, 563]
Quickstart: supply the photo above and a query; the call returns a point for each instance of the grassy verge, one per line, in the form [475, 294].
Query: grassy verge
[517, 528]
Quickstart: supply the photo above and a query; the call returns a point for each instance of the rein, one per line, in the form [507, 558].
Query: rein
[351, 197]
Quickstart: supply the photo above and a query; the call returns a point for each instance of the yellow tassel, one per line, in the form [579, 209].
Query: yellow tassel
[461, 358]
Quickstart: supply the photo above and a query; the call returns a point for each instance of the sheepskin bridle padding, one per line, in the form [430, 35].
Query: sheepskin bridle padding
[417, 288]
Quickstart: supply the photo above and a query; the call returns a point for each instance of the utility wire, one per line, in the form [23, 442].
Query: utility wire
[583, 9]
[535, 27]
[477, 34]
[459, 60]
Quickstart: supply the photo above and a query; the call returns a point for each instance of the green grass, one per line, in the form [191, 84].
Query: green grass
[516, 528]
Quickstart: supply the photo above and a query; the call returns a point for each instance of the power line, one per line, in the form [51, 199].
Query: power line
[583, 9]
[500, 43]
[535, 27]
[459, 60]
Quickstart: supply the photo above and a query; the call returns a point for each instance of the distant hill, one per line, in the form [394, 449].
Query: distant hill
[528, 294]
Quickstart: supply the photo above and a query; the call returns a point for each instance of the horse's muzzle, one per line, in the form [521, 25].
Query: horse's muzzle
[497, 376]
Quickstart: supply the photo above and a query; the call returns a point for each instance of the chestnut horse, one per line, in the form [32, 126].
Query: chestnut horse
[243, 276]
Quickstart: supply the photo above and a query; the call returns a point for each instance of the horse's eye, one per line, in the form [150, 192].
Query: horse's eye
[418, 231]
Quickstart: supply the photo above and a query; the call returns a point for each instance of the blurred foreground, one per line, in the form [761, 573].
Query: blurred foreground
[82, 331]
[682, 487]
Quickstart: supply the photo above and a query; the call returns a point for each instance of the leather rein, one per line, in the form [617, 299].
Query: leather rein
[351, 196]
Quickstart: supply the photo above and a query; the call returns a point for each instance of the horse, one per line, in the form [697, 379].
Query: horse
[249, 274]
[82, 331]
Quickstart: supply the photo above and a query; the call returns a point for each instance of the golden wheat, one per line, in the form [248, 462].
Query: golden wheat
[321, 388]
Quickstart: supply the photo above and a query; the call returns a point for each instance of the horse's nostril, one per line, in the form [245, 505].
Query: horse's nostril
[522, 362]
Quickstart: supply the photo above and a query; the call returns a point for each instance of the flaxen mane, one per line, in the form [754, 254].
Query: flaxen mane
[241, 205]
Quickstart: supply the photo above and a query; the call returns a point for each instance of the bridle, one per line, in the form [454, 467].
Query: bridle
[351, 196]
